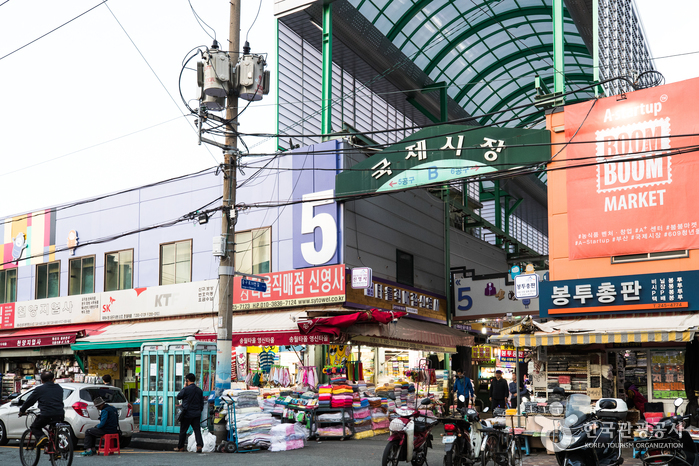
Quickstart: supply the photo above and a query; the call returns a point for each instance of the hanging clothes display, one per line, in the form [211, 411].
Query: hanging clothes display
[266, 360]
[307, 376]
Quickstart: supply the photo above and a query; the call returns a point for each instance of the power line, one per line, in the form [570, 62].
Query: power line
[106, 196]
[158, 77]
[200, 21]
[52, 30]
[259, 7]
[89, 147]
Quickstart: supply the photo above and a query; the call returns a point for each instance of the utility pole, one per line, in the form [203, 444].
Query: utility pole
[226, 269]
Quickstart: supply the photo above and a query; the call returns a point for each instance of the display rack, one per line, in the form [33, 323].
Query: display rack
[11, 383]
[346, 422]
[583, 379]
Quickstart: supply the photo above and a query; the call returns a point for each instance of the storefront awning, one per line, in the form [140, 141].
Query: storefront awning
[54, 335]
[658, 329]
[411, 334]
[274, 329]
[133, 335]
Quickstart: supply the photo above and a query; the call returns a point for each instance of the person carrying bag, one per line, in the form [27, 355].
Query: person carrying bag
[192, 405]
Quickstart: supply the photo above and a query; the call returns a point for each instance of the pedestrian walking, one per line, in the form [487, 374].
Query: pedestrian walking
[192, 405]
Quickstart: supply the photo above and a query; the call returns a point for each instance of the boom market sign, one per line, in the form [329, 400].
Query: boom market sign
[444, 153]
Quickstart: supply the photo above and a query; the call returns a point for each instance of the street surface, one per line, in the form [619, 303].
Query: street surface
[365, 452]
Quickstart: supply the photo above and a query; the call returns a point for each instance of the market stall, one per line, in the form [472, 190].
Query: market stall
[597, 355]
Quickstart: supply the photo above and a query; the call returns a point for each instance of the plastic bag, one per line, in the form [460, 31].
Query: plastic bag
[209, 441]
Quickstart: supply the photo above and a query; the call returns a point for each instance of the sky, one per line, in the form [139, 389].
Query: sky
[94, 107]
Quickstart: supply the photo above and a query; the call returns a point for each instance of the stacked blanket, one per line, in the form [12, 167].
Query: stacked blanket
[286, 437]
[325, 395]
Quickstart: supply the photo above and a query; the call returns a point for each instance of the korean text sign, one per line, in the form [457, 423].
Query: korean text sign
[623, 294]
[634, 195]
[305, 287]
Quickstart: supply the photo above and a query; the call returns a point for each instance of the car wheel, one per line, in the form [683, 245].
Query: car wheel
[124, 441]
[3, 435]
[73, 438]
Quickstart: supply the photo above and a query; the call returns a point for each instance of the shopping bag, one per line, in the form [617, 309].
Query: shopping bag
[209, 441]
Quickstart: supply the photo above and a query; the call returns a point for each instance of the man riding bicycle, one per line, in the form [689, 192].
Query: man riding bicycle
[50, 398]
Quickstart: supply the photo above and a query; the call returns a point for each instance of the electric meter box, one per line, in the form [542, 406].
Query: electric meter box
[219, 246]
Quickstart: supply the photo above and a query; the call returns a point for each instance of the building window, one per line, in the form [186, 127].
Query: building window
[82, 275]
[48, 278]
[253, 251]
[651, 256]
[404, 268]
[118, 270]
[176, 262]
[8, 286]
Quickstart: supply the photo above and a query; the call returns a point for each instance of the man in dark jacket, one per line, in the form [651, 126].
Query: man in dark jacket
[50, 398]
[109, 424]
[192, 405]
[499, 391]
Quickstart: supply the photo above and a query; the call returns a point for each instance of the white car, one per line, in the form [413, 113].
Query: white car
[80, 411]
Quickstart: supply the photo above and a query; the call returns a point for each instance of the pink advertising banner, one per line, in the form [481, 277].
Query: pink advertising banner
[305, 287]
[631, 188]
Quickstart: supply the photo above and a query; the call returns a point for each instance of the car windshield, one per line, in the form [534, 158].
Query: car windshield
[108, 394]
[578, 405]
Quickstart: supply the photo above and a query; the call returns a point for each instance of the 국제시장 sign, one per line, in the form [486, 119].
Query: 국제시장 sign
[305, 287]
[624, 294]
[442, 153]
[634, 199]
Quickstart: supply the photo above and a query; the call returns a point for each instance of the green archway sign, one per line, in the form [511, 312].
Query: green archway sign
[444, 153]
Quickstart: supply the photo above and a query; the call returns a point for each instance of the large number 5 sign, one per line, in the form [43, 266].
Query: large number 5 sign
[326, 222]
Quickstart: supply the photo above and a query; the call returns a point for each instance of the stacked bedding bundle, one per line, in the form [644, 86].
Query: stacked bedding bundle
[325, 395]
[341, 396]
[286, 437]
[379, 419]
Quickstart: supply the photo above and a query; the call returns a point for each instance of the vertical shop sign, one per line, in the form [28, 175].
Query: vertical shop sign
[633, 198]
[316, 232]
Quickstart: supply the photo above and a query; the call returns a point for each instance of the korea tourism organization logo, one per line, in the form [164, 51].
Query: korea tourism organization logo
[633, 173]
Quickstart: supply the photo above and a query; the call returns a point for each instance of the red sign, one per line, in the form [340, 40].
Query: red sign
[635, 195]
[38, 340]
[7, 315]
[270, 339]
[304, 287]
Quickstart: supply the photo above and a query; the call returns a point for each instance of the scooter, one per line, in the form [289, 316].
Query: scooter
[668, 443]
[410, 437]
[589, 438]
[462, 437]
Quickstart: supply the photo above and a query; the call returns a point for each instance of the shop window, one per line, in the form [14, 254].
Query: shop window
[118, 270]
[108, 394]
[176, 262]
[8, 286]
[667, 374]
[48, 280]
[81, 278]
[253, 251]
[404, 268]
[651, 256]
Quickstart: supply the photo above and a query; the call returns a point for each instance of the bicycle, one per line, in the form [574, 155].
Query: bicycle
[59, 446]
[502, 448]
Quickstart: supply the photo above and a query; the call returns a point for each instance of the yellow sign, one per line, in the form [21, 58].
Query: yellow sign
[103, 365]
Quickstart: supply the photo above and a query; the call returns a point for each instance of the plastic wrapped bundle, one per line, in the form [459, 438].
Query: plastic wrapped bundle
[287, 445]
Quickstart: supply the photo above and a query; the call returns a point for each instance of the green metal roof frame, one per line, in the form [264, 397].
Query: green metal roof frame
[498, 45]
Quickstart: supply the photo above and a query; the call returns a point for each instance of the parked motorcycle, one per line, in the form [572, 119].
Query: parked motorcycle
[668, 443]
[410, 437]
[589, 438]
[462, 437]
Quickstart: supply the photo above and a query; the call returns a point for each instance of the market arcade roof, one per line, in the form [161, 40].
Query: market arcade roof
[487, 51]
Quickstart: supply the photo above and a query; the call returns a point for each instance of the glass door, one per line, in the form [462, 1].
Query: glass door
[152, 380]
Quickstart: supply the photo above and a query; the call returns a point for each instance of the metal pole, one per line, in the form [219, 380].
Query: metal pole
[447, 278]
[558, 51]
[595, 44]
[227, 267]
[327, 84]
